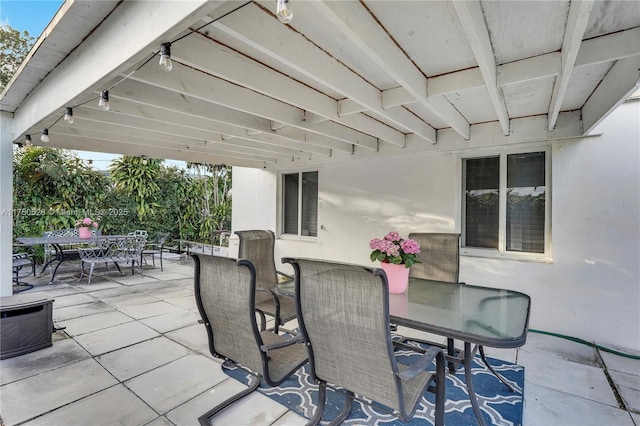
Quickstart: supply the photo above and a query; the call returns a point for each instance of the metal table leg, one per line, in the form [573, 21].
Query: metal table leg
[468, 360]
[495, 373]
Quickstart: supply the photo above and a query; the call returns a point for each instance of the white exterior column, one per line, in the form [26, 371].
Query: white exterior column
[6, 202]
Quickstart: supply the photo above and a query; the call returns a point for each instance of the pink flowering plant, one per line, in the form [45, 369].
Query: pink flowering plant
[393, 249]
[88, 223]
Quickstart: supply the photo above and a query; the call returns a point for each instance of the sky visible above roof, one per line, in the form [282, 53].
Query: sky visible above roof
[28, 15]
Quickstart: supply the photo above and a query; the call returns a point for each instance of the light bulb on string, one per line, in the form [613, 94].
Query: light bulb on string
[283, 11]
[68, 116]
[27, 140]
[104, 100]
[165, 57]
[45, 135]
[144, 160]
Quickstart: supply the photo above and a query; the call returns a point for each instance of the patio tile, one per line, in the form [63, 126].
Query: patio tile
[255, 409]
[148, 309]
[77, 311]
[546, 406]
[171, 321]
[97, 285]
[172, 384]
[621, 364]
[114, 406]
[636, 418]
[187, 413]
[567, 376]
[160, 421]
[57, 290]
[117, 337]
[560, 348]
[136, 279]
[629, 388]
[72, 299]
[89, 323]
[131, 299]
[36, 395]
[194, 337]
[166, 275]
[185, 302]
[291, 419]
[142, 357]
[113, 292]
[62, 353]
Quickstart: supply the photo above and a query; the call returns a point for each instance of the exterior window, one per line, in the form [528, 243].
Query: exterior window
[504, 203]
[300, 204]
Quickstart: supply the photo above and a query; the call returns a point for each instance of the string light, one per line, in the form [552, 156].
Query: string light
[165, 57]
[27, 139]
[104, 100]
[45, 135]
[68, 116]
[144, 160]
[283, 11]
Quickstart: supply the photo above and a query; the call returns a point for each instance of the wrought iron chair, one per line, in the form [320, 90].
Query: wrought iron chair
[343, 313]
[155, 248]
[257, 246]
[224, 290]
[20, 261]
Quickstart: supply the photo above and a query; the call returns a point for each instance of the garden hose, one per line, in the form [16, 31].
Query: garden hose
[585, 342]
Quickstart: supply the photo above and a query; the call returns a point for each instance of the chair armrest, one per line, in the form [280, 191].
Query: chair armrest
[288, 342]
[22, 256]
[421, 364]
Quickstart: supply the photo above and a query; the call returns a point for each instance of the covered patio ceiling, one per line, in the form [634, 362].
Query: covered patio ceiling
[345, 79]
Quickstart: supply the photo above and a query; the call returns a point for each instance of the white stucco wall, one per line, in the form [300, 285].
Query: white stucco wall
[590, 291]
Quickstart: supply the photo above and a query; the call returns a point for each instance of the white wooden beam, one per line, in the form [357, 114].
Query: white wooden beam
[619, 83]
[293, 50]
[579, 12]
[475, 27]
[124, 39]
[609, 47]
[6, 203]
[356, 23]
[529, 69]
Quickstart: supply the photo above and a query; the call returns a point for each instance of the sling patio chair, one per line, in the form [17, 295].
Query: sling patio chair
[343, 313]
[257, 246]
[439, 259]
[155, 248]
[224, 291]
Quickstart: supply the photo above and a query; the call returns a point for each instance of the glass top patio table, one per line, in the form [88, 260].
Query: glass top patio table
[481, 315]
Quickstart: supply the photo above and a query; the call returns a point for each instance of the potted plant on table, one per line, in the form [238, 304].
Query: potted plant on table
[86, 226]
[396, 256]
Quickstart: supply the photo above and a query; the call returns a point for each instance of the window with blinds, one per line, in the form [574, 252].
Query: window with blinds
[300, 204]
[504, 202]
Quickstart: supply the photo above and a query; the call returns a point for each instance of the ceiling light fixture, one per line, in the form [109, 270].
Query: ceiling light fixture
[283, 10]
[165, 57]
[45, 135]
[104, 100]
[68, 116]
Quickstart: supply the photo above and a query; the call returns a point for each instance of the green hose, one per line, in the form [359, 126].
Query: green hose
[584, 342]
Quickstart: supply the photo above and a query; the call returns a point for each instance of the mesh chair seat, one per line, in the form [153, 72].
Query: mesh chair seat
[343, 313]
[224, 292]
[257, 246]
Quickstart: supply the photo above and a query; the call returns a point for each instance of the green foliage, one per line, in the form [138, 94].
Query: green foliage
[52, 189]
[14, 47]
[138, 181]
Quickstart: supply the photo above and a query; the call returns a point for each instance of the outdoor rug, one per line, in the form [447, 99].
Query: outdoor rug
[498, 404]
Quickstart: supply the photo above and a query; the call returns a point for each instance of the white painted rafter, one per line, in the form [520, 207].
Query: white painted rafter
[579, 12]
[293, 50]
[475, 27]
[356, 23]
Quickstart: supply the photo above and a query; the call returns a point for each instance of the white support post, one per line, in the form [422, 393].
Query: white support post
[6, 202]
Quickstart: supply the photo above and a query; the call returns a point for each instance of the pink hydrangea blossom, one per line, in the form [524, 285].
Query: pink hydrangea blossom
[87, 221]
[410, 246]
[392, 236]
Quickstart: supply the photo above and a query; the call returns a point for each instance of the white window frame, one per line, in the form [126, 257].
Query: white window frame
[298, 236]
[501, 252]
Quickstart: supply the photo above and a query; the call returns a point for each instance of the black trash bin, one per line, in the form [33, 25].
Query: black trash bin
[26, 324]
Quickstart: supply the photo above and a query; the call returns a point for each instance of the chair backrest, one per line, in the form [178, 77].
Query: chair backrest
[343, 312]
[439, 256]
[161, 238]
[257, 247]
[224, 291]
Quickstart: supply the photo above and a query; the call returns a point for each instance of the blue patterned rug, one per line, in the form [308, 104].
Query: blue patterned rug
[499, 405]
